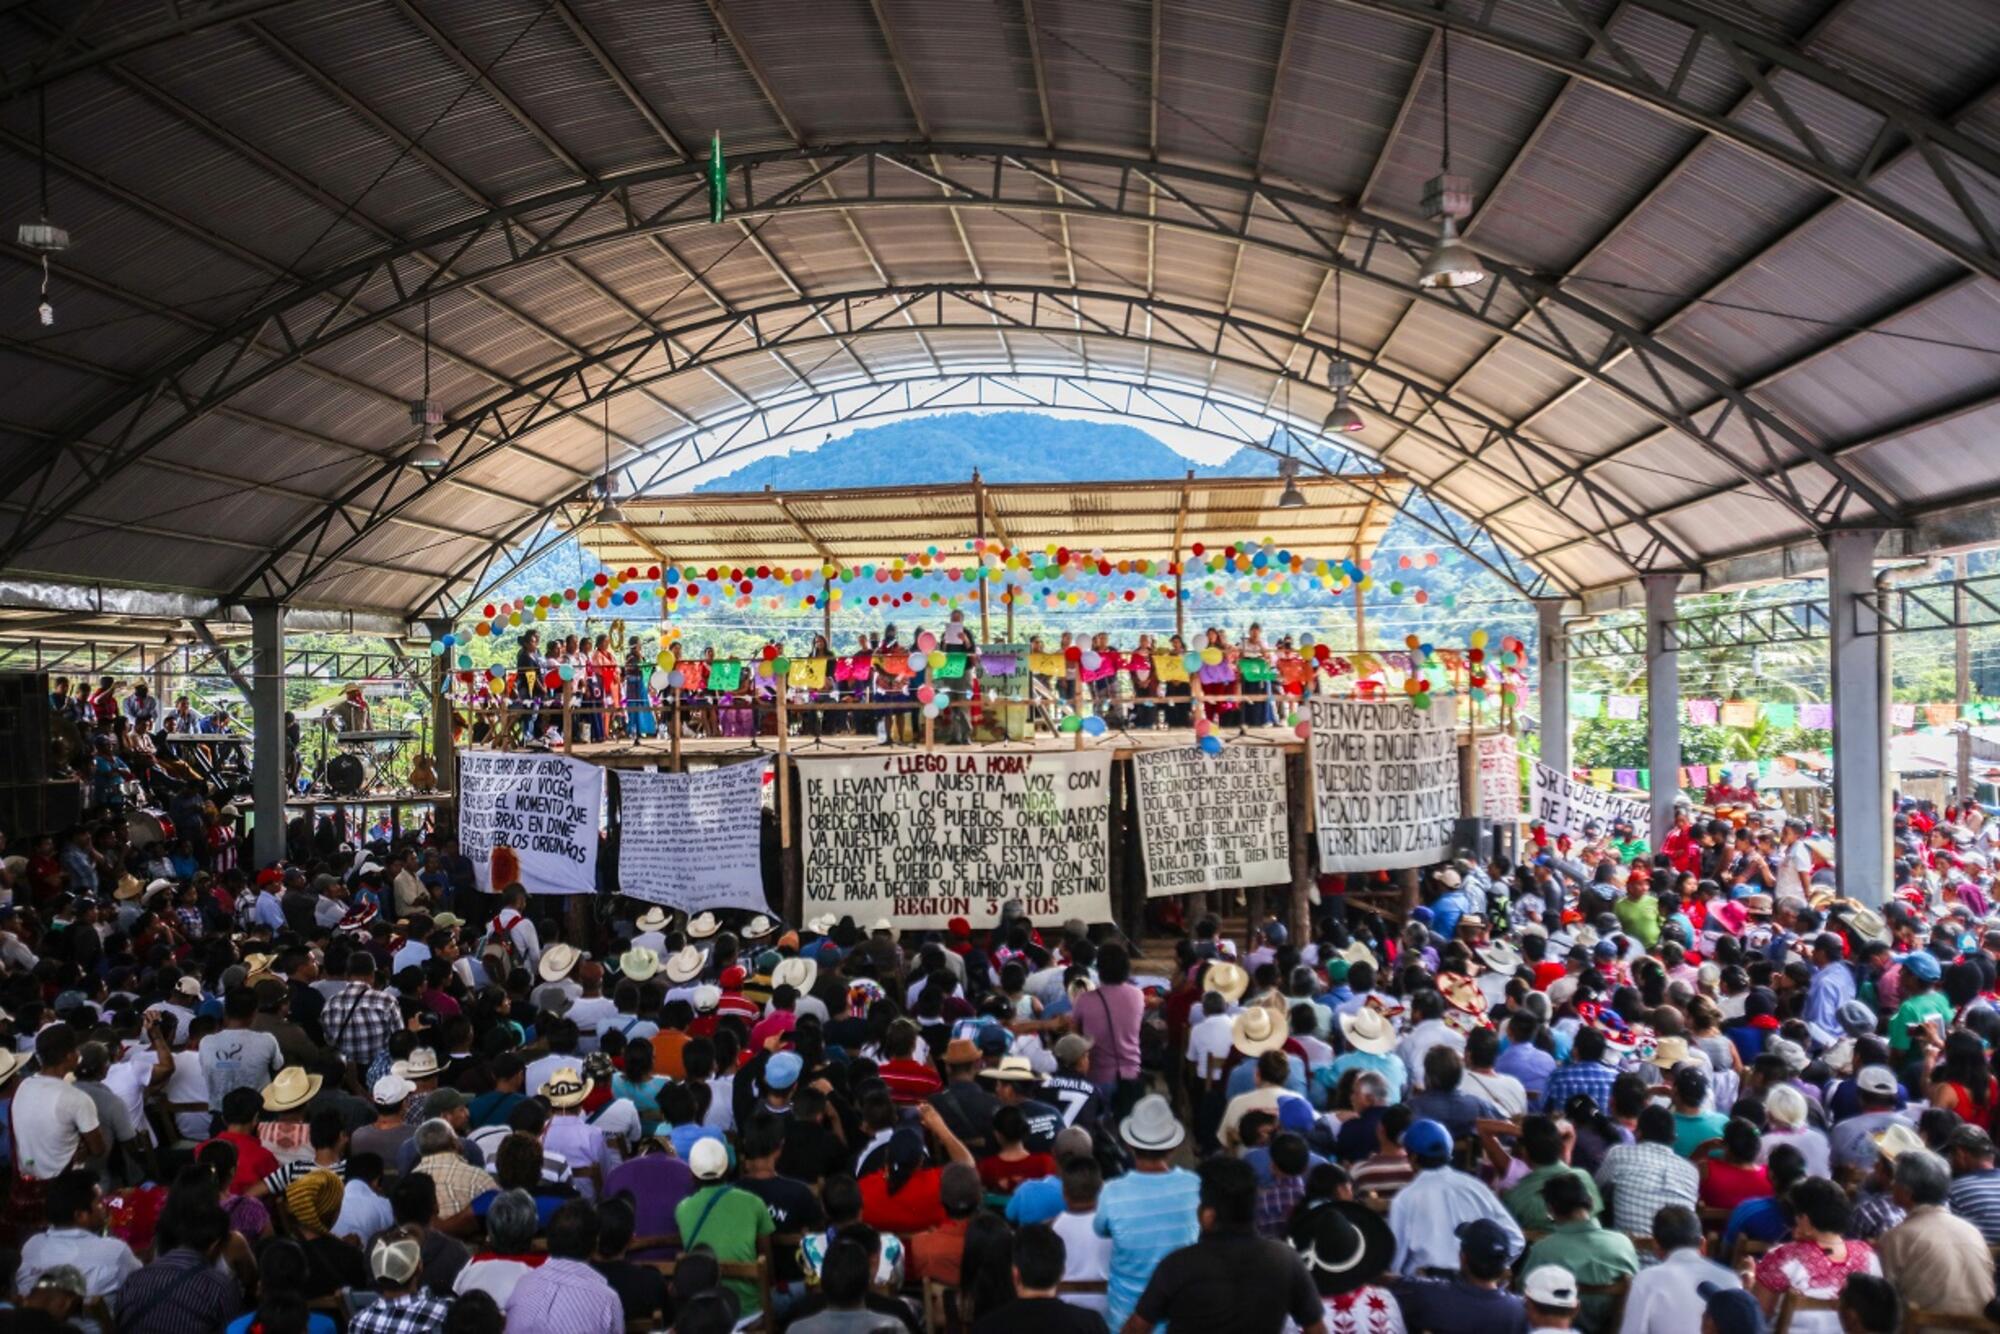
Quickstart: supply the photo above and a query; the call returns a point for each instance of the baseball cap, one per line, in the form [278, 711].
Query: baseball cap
[392, 1089]
[1856, 1018]
[1427, 1139]
[1071, 1048]
[1878, 1079]
[994, 1040]
[443, 1100]
[1551, 1285]
[1973, 1139]
[783, 1070]
[1733, 1310]
[1922, 964]
[708, 1160]
[1484, 1242]
[1295, 1114]
[395, 1259]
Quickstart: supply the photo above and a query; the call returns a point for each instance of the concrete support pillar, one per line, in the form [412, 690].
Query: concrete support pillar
[1663, 702]
[444, 750]
[1859, 659]
[1554, 684]
[267, 730]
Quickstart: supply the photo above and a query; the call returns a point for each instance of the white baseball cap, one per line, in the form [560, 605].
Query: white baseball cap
[1552, 1286]
[1878, 1079]
[391, 1089]
[708, 1160]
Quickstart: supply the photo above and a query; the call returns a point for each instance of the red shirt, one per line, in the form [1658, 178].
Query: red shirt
[910, 1082]
[914, 1208]
[254, 1162]
[1001, 1175]
[1729, 1184]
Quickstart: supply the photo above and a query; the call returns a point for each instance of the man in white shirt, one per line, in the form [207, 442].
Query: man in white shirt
[1430, 1030]
[77, 1220]
[1209, 1039]
[1665, 1297]
[363, 1210]
[1794, 864]
[580, 1143]
[54, 1121]
[590, 1010]
[1086, 1256]
[1427, 1213]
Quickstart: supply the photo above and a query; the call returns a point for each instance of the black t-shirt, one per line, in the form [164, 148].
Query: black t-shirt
[968, 1109]
[1043, 1123]
[1232, 1279]
[641, 1289]
[1453, 1306]
[1039, 1315]
[811, 1151]
[793, 1208]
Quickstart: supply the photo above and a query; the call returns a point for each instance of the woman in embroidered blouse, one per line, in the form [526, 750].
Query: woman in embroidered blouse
[1818, 1259]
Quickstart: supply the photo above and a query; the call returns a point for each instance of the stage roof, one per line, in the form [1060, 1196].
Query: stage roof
[1744, 264]
[1344, 518]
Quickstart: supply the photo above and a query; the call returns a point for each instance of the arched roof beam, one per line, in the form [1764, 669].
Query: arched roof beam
[741, 432]
[1056, 313]
[316, 314]
[1567, 38]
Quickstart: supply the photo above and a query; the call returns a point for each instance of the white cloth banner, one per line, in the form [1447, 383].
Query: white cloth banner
[921, 839]
[1212, 821]
[1385, 781]
[691, 841]
[1564, 805]
[1499, 777]
[530, 817]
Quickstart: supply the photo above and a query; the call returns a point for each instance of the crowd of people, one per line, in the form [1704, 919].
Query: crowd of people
[1615, 1088]
[875, 687]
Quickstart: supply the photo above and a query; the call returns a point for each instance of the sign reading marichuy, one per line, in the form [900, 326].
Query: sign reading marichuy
[1212, 821]
[1385, 775]
[920, 839]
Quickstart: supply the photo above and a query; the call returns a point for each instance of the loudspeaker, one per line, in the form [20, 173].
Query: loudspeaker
[40, 808]
[24, 726]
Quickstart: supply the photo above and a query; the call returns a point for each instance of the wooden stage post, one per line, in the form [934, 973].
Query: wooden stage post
[787, 876]
[674, 733]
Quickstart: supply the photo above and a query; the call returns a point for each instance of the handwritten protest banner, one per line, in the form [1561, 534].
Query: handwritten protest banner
[921, 839]
[532, 818]
[1212, 821]
[691, 841]
[1386, 778]
[1565, 804]
[1499, 776]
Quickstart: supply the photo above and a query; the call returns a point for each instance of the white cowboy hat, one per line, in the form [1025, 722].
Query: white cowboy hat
[1368, 1030]
[1012, 1070]
[558, 960]
[653, 919]
[1357, 951]
[758, 927]
[423, 1064]
[684, 964]
[638, 964]
[703, 925]
[1226, 979]
[1669, 1052]
[566, 1088]
[1867, 924]
[1258, 1030]
[293, 1087]
[1461, 993]
[1500, 956]
[706, 997]
[822, 924]
[798, 973]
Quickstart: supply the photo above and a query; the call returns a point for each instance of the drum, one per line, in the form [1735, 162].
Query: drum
[346, 775]
[145, 828]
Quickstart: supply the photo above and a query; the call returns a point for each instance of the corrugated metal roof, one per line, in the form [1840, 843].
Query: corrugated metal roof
[251, 158]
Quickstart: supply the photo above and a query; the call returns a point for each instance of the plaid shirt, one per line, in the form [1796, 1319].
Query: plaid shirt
[1643, 1179]
[359, 1021]
[418, 1313]
[1875, 1212]
[1275, 1203]
[1574, 1077]
[458, 1182]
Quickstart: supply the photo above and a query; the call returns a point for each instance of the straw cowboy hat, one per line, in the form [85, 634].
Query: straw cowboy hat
[1461, 993]
[1892, 1143]
[798, 973]
[1258, 1030]
[1500, 956]
[1369, 1030]
[639, 964]
[128, 889]
[822, 924]
[1357, 951]
[653, 919]
[684, 964]
[1152, 1126]
[567, 1088]
[292, 1088]
[10, 1065]
[1669, 1052]
[703, 925]
[558, 961]
[1226, 979]
[1012, 1070]
[1463, 1022]
[1867, 924]
[758, 927]
[423, 1064]
[257, 965]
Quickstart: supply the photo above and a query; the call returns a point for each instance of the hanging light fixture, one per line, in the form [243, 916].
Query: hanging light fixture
[426, 455]
[1342, 419]
[607, 487]
[1448, 201]
[1291, 498]
[43, 237]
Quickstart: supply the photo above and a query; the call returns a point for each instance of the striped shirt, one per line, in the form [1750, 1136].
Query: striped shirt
[1975, 1197]
[1147, 1215]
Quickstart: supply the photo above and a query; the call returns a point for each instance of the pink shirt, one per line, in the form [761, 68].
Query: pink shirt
[1110, 1017]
